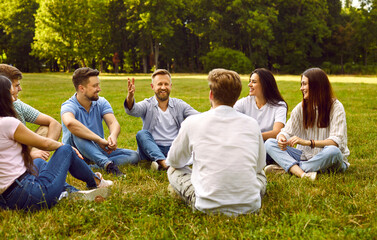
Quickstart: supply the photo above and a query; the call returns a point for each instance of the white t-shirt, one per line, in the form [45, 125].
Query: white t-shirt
[266, 116]
[228, 153]
[11, 162]
[166, 129]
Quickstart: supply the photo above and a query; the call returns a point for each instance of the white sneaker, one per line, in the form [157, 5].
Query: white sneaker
[273, 168]
[90, 195]
[155, 166]
[310, 175]
[104, 183]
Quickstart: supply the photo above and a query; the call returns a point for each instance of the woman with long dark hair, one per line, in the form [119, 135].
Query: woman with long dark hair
[25, 185]
[264, 103]
[318, 127]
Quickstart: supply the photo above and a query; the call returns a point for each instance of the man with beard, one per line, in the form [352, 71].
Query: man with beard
[162, 117]
[82, 117]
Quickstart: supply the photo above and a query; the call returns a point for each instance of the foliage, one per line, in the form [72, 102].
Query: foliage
[283, 35]
[17, 25]
[227, 58]
[70, 30]
[335, 206]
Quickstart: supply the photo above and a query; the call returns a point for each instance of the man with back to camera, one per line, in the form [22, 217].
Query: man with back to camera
[228, 155]
[82, 117]
[49, 127]
[162, 117]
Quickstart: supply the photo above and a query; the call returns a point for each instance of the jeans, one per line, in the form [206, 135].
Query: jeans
[92, 152]
[329, 159]
[36, 192]
[148, 148]
[41, 164]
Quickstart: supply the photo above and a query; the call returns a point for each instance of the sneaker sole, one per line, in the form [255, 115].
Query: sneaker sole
[90, 195]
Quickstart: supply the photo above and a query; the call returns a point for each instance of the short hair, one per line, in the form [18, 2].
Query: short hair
[81, 76]
[10, 72]
[225, 85]
[161, 72]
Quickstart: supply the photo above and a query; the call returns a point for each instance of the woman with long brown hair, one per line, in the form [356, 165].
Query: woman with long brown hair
[265, 104]
[318, 127]
[32, 184]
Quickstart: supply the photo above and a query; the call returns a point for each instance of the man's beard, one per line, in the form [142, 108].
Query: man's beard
[92, 98]
[161, 98]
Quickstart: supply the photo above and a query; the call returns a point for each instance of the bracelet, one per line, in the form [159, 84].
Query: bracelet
[312, 144]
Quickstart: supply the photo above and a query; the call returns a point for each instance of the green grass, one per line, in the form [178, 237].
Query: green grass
[336, 206]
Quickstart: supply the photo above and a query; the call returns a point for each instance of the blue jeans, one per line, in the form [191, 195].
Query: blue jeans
[36, 192]
[148, 148]
[41, 164]
[329, 159]
[92, 152]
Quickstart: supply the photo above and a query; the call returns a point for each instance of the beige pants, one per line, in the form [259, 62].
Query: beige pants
[180, 180]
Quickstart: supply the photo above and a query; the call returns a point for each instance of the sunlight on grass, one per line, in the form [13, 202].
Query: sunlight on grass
[336, 206]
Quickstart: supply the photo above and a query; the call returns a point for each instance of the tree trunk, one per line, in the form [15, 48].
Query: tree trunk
[145, 64]
[156, 52]
[101, 66]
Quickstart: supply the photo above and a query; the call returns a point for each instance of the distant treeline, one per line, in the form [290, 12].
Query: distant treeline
[286, 36]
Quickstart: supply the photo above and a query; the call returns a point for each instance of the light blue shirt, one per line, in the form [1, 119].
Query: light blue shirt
[148, 111]
[92, 119]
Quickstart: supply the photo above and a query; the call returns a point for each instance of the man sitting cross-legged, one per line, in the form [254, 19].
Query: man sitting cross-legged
[82, 117]
[162, 117]
[228, 154]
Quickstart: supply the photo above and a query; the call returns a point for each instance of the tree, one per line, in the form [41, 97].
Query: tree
[71, 31]
[18, 24]
[152, 23]
[300, 32]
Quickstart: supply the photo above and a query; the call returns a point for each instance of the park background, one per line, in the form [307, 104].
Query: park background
[133, 36]
[188, 37]
[335, 206]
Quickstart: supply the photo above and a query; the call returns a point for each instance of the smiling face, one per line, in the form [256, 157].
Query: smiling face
[255, 86]
[161, 86]
[16, 89]
[92, 88]
[305, 87]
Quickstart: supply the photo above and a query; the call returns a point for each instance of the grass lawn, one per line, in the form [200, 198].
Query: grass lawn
[335, 206]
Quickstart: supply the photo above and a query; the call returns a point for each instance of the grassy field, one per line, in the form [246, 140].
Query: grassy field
[336, 206]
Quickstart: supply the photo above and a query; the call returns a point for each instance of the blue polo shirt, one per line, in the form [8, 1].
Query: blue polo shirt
[92, 119]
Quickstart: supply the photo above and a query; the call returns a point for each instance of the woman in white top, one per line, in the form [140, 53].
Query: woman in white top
[265, 104]
[318, 127]
[32, 184]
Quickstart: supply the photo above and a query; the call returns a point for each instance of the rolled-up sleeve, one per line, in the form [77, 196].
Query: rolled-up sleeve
[338, 125]
[138, 109]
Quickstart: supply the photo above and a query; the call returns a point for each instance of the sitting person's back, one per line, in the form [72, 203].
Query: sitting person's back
[228, 155]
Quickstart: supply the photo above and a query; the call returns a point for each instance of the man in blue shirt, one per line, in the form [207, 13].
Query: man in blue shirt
[162, 117]
[82, 117]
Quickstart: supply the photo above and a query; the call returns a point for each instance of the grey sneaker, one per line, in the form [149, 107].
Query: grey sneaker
[273, 168]
[90, 195]
[310, 175]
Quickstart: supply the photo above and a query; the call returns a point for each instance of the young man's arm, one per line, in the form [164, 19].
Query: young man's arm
[114, 129]
[80, 130]
[54, 127]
